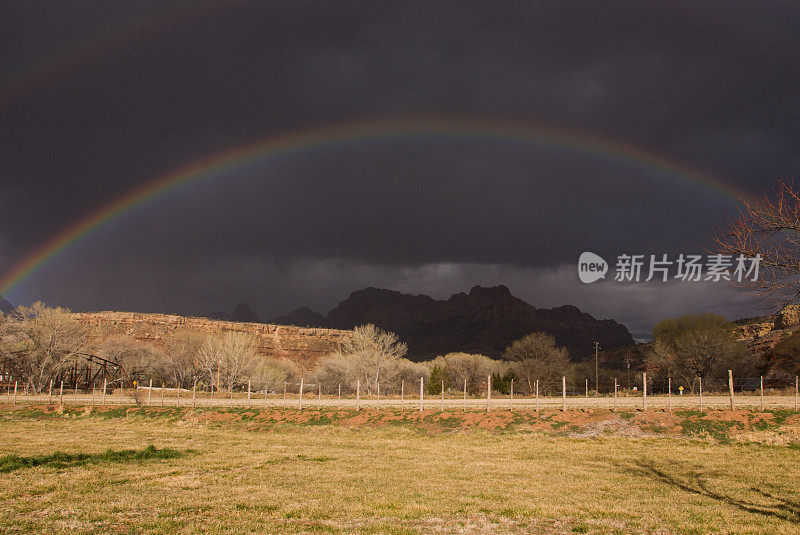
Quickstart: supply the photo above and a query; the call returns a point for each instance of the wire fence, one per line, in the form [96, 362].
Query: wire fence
[752, 393]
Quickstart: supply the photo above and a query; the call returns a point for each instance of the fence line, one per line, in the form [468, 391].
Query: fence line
[758, 398]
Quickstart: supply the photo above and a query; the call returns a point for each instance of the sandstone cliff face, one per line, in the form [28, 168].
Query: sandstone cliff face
[763, 333]
[302, 345]
[486, 320]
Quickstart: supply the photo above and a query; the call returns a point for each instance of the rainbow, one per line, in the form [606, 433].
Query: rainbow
[99, 42]
[231, 160]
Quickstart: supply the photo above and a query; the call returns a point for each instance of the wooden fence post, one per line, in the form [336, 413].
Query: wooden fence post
[700, 383]
[511, 400]
[149, 392]
[319, 395]
[178, 395]
[762, 393]
[284, 392]
[15, 391]
[103, 402]
[488, 392]
[421, 398]
[669, 393]
[537, 395]
[358, 394]
[74, 396]
[644, 391]
[300, 402]
[378, 394]
[121, 389]
[249, 385]
[615, 396]
[796, 388]
[402, 393]
[442, 396]
[50, 394]
[563, 393]
[730, 388]
[61, 393]
[92, 393]
[162, 394]
[465, 395]
[194, 392]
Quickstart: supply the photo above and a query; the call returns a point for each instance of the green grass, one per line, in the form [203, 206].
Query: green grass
[9, 463]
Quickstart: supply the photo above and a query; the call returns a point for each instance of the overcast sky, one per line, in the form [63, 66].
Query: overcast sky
[99, 98]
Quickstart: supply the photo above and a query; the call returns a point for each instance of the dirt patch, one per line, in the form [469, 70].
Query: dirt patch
[771, 427]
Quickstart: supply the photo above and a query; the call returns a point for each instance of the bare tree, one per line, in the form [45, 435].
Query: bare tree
[44, 340]
[536, 357]
[232, 354]
[769, 228]
[270, 374]
[139, 360]
[368, 352]
[209, 357]
[465, 366]
[182, 349]
[238, 351]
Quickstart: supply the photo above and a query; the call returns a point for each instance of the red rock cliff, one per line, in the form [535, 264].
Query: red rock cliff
[302, 345]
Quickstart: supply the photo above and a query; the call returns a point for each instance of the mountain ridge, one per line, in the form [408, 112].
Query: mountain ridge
[485, 320]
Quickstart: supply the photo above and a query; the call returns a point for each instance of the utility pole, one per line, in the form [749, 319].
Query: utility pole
[596, 374]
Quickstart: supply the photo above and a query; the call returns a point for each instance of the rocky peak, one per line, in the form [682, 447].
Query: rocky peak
[242, 313]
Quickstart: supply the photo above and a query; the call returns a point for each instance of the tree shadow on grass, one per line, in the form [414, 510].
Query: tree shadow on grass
[10, 463]
[693, 481]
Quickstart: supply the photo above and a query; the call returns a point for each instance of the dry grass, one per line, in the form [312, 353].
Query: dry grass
[782, 399]
[293, 478]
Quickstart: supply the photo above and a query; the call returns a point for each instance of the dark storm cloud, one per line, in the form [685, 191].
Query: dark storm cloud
[714, 86]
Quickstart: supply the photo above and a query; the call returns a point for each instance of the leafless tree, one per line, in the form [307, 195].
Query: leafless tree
[238, 352]
[209, 357]
[43, 341]
[367, 354]
[232, 354]
[182, 349]
[768, 227]
[464, 366]
[139, 360]
[537, 357]
[270, 374]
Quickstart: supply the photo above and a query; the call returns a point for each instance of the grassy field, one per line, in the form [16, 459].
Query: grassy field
[243, 470]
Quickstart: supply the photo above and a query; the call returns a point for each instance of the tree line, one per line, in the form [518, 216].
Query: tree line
[39, 344]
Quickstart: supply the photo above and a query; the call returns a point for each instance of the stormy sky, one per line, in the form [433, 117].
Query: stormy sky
[98, 99]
